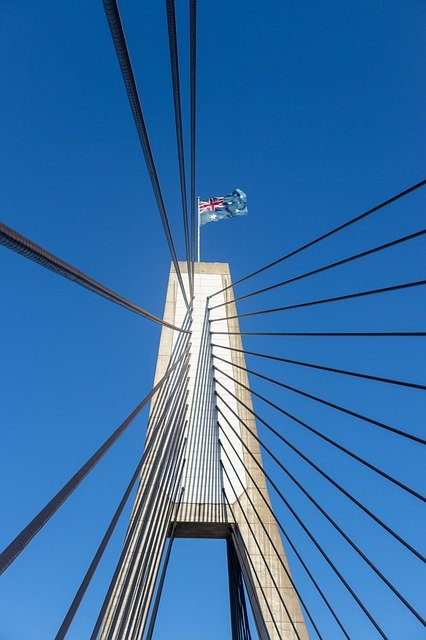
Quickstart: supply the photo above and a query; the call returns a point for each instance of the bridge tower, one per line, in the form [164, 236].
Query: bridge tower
[203, 477]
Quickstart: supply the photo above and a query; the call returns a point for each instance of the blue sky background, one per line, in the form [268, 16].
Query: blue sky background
[316, 110]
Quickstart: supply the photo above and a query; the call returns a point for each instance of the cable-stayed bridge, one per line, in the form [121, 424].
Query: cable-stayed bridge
[204, 471]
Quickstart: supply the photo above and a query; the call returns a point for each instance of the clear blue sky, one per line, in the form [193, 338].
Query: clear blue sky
[316, 110]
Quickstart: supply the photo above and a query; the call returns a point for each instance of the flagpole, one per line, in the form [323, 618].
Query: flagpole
[198, 210]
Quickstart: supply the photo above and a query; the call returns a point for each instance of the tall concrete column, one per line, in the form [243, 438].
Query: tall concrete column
[204, 511]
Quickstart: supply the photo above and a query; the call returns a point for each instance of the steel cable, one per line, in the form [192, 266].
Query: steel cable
[142, 503]
[239, 618]
[328, 403]
[300, 422]
[174, 66]
[341, 532]
[365, 376]
[240, 540]
[156, 545]
[20, 244]
[163, 573]
[117, 32]
[312, 464]
[345, 225]
[311, 303]
[19, 543]
[161, 468]
[339, 263]
[275, 549]
[69, 616]
[331, 520]
[271, 511]
[308, 533]
[193, 104]
[337, 334]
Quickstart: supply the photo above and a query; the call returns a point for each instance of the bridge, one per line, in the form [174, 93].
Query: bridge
[241, 453]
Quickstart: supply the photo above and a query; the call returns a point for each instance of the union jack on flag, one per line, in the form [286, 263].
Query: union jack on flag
[223, 207]
[211, 205]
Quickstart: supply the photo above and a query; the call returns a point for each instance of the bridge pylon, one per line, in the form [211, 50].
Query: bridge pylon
[203, 476]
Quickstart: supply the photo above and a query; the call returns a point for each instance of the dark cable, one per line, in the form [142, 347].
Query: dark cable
[253, 568]
[339, 263]
[312, 464]
[348, 296]
[401, 383]
[96, 559]
[332, 521]
[117, 32]
[306, 530]
[159, 476]
[271, 511]
[20, 244]
[158, 543]
[340, 530]
[327, 403]
[287, 572]
[155, 549]
[271, 576]
[158, 434]
[142, 506]
[174, 65]
[127, 601]
[300, 422]
[12, 551]
[159, 472]
[163, 573]
[239, 618]
[193, 104]
[329, 233]
[344, 334]
[324, 368]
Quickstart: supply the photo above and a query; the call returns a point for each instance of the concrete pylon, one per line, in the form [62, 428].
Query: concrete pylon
[224, 488]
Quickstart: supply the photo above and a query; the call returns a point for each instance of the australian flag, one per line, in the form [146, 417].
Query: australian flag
[230, 206]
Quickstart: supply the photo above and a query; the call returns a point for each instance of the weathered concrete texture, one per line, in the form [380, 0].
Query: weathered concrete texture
[273, 607]
[203, 513]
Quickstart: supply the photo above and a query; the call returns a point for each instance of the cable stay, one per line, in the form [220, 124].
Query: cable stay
[317, 468]
[345, 225]
[332, 522]
[328, 334]
[152, 545]
[163, 475]
[134, 613]
[130, 606]
[69, 616]
[357, 256]
[350, 542]
[158, 467]
[239, 543]
[18, 544]
[338, 446]
[305, 529]
[239, 617]
[163, 572]
[193, 104]
[366, 376]
[303, 603]
[278, 591]
[123, 56]
[327, 403]
[326, 515]
[174, 65]
[13, 240]
[311, 303]
[271, 511]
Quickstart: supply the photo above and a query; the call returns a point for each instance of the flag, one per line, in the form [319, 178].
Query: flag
[230, 206]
